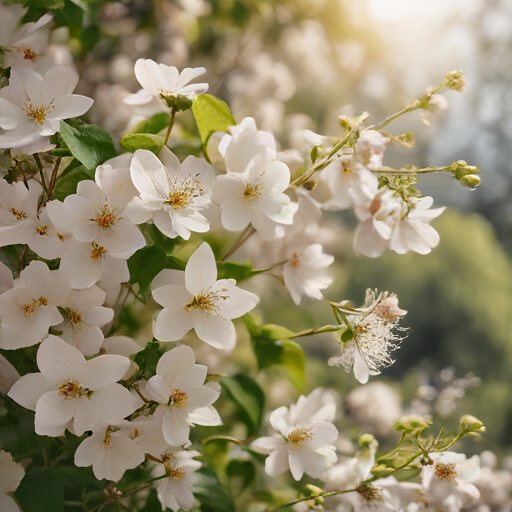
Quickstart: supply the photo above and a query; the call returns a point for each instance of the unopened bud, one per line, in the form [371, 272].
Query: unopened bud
[381, 470]
[178, 103]
[470, 181]
[412, 424]
[469, 422]
[366, 441]
[309, 185]
[455, 81]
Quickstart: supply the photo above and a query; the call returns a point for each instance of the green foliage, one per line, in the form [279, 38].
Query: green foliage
[89, 144]
[68, 181]
[249, 399]
[147, 359]
[154, 124]
[212, 115]
[211, 493]
[148, 141]
[243, 470]
[236, 270]
[273, 347]
[146, 263]
[41, 490]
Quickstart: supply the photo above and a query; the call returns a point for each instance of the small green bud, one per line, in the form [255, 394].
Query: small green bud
[406, 139]
[309, 185]
[179, 103]
[381, 470]
[455, 81]
[366, 441]
[470, 181]
[412, 424]
[469, 422]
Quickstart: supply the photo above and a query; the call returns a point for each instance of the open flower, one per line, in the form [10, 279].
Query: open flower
[304, 441]
[256, 196]
[11, 475]
[178, 387]
[31, 107]
[29, 309]
[194, 299]
[370, 148]
[161, 81]
[71, 392]
[172, 194]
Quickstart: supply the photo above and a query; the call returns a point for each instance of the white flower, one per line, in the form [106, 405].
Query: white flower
[370, 147]
[84, 317]
[110, 453]
[114, 272]
[390, 222]
[8, 375]
[99, 218]
[6, 278]
[256, 196]
[172, 194]
[29, 309]
[175, 491]
[161, 81]
[304, 441]
[11, 475]
[31, 107]
[349, 182]
[194, 299]
[179, 387]
[22, 43]
[71, 392]
[122, 346]
[449, 481]
[305, 273]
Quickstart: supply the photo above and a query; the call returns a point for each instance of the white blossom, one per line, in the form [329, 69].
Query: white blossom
[175, 196]
[178, 387]
[11, 475]
[84, 315]
[71, 392]
[303, 443]
[29, 309]
[31, 107]
[8, 375]
[370, 147]
[122, 346]
[161, 81]
[194, 299]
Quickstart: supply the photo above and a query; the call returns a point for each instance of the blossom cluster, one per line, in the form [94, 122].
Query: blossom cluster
[72, 277]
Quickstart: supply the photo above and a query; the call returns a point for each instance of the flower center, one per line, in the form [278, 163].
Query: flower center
[445, 471]
[97, 251]
[41, 230]
[251, 191]
[368, 492]
[295, 262]
[299, 436]
[72, 389]
[74, 317]
[37, 114]
[19, 214]
[105, 218]
[207, 302]
[30, 308]
[183, 193]
[177, 473]
[177, 398]
[29, 54]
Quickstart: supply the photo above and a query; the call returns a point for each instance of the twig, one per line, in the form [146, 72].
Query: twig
[171, 124]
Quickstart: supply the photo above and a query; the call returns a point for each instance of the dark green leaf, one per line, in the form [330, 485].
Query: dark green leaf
[147, 359]
[23, 359]
[41, 490]
[211, 493]
[88, 143]
[148, 141]
[154, 124]
[236, 270]
[212, 115]
[241, 469]
[249, 399]
[68, 181]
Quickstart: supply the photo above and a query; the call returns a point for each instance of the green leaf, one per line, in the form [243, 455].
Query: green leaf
[68, 181]
[147, 359]
[241, 469]
[236, 270]
[41, 490]
[148, 141]
[146, 263]
[273, 347]
[249, 399]
[154, 124]
[211, 493]
[89, 144]
[212, 115]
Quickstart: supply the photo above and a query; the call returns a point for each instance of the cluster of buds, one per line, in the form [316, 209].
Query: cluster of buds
[465, 174]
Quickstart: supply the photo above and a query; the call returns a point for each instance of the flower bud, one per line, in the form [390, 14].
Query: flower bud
[470, 181]
[366, 441]
[178, 103]
[381, 470]
[469, 422]
[455, 81]
[412, 424]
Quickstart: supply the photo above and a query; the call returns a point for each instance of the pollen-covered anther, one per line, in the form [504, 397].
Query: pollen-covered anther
[72, 389]
[29, 54]
[97, 251]
[445, 471]
[368, 492]
[105, 218]
[251, 191]
[19, 214]
[38, 114]
[182, 193]
[177, 398]
[41, 230]
[207, 302]
[295, 261]
[177, 473]
[299, 436]
[74, 317]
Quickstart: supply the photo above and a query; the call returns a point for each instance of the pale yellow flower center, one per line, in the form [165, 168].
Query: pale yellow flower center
[445, 471]
[177, 398]
[299, 436]
[72, 389]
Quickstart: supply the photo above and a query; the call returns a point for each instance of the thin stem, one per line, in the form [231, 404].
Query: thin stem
[41, 172]
[144, 399]
[53, 178]
[21, 260]
[317, 330]
[171, 124]
[309, 498]
[154, 459]
[246, 234]
[230, 439]
[275, 265]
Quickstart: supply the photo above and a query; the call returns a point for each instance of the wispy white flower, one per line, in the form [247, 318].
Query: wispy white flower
[178, 386]
[303, 444]
[256, 196]
[161, 81]
[370, 148]
[31, 107]
[173, 195]
[84, 315]
[71, 392]
[175, 491]
[29, 309]
[11, 475]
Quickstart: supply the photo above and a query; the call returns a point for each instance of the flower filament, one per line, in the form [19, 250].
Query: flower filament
[177, 398]
[72, 389]
[184, 192]
[97, 251]
[207, 302]
[30, 308]
[37, 114]
[251, 191]
[299, 436]
[105, 218]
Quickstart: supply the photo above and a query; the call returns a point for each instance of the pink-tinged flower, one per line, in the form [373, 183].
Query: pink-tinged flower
[194, 299]
[32, 107]
[179, 388]
[71, 392]
[29, 309]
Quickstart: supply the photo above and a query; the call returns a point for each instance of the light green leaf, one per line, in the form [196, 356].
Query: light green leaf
[148, 141]
[236, 270]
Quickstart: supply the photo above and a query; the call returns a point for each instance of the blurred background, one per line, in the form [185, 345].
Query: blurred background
[299, 64]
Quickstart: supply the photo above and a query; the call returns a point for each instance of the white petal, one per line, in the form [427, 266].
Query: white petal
[53, 413]
[112, 403]
[202, 396]
[215, 330]
[207, 416]
[29, 389]
[201, 270]
[173, 325]
[175, 362]
[104, 370]
[192, 378]
[70, 105]
[175, 427]
[277, 462]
